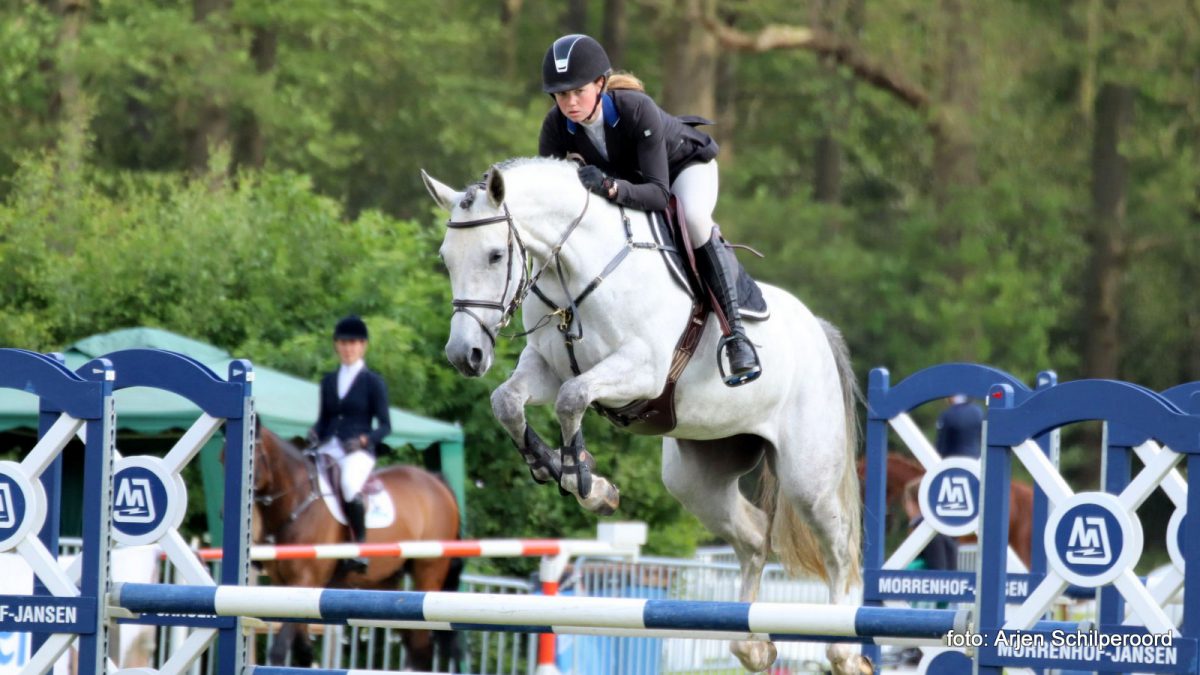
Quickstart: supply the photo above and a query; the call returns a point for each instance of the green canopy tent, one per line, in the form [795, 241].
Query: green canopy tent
[286, 404]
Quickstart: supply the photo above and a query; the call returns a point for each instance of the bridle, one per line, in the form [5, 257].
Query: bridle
[528, 279]
[267, 500]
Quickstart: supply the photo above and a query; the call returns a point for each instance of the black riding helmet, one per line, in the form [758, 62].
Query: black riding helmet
[573, 61]
[350, 328]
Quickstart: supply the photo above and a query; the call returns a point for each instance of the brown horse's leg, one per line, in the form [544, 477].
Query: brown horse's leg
[427, 575]
[292, 637]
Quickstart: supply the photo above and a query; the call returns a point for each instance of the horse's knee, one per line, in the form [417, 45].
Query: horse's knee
[573, 399]
[507, 405]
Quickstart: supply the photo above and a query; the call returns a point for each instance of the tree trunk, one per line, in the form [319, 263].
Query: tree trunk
[954, 160]
[615, 33]
[251, 144]
[68, 107]
[509, 11]
[575, 16]
[211, 128]
[827, 152]
[690, 59]
[1107, 260]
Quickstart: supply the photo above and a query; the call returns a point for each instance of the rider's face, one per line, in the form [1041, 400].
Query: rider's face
[577, 104]
[350, 351]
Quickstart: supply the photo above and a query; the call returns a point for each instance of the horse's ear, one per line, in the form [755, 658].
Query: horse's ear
[495, 186]
[443, 194]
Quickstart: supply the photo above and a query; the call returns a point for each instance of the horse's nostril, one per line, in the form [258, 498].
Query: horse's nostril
[476, 357]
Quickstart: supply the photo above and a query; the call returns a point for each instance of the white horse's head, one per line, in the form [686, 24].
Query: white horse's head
[483, 252]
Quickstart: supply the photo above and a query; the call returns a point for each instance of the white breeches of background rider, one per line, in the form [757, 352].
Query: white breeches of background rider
[355, 467]
[696, 188]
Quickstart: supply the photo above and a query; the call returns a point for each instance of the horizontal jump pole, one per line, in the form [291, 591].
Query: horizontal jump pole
[483, 548]
[662, 633]
[283, 670]
[542, 614]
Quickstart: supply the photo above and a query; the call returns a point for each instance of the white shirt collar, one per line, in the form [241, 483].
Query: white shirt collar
[346, 375]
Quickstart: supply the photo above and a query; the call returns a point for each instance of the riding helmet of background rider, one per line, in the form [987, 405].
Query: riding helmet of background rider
[637, 156]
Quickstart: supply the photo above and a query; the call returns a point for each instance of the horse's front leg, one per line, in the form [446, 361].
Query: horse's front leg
[532, 383]
[618, 377]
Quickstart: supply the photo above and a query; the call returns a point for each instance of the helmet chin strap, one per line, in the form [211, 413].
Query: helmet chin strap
[603, 88]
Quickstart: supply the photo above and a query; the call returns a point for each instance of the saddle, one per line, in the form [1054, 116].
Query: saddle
[655, 417]
[333, 474]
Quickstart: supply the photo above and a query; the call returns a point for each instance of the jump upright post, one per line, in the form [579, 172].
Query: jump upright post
[71, 610]
[150, 497]
[1092, 539]
[889, 406]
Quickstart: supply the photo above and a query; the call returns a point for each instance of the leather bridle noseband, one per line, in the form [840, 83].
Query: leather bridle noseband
[528, 279]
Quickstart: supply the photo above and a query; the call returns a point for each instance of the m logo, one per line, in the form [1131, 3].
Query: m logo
[8, 518]
[954, 498]
[134, 503]
[1088, 543]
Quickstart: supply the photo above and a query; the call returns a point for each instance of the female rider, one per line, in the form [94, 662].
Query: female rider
[637, 155]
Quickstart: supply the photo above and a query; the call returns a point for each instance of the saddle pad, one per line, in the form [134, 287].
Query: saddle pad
[753, 306]
[381, 512]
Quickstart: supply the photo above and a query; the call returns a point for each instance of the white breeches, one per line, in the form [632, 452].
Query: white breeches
[696, 187]
[356, 467]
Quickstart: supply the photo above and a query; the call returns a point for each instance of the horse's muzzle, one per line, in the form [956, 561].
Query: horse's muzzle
[470, 361]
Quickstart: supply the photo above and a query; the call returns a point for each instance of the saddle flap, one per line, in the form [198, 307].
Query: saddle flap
[668, 227]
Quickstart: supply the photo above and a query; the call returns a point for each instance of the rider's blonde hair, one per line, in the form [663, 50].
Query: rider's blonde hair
[624, 80]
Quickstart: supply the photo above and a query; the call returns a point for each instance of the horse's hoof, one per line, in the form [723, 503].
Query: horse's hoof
[844, 661]
[604, 498]
[755, 655]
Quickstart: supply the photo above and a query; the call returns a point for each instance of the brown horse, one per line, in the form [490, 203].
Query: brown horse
[902, 470]
[292, 512]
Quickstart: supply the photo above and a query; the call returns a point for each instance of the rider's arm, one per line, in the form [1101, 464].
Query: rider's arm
[646, 127]
[379, 410]
[325, 417]
[550, 141]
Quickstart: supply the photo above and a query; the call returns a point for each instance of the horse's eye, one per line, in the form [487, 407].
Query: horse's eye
[495, 256]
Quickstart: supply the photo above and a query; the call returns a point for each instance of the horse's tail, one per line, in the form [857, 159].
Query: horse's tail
[791, 537]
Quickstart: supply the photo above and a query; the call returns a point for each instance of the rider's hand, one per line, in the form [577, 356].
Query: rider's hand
[594, 179]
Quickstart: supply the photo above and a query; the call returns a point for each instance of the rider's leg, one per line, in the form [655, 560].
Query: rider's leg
[356, 468]
[696, 187]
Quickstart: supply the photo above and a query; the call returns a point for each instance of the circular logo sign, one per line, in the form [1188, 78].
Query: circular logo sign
[1091, 539]
[22, 505]
[949, 496]
[1175, 538]
[943, 662]
[147, 500]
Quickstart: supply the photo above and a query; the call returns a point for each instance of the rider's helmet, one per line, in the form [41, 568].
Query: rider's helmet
[573, 61]
[350, 328]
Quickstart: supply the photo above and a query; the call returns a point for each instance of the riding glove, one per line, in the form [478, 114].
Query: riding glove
[594, 179]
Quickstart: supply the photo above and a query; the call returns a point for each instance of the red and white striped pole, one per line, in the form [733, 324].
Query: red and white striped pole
[549, 573]
[482, 548]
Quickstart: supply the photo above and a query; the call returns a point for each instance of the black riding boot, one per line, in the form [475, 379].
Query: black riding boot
[720, 270]
[357, 516]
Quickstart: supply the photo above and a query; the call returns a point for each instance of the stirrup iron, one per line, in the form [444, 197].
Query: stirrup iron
[737, 380]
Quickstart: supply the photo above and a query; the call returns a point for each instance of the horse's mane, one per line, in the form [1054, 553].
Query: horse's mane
[286, 446]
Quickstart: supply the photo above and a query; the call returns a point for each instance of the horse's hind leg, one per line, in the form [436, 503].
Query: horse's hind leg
[703, 476]
[811, 481]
